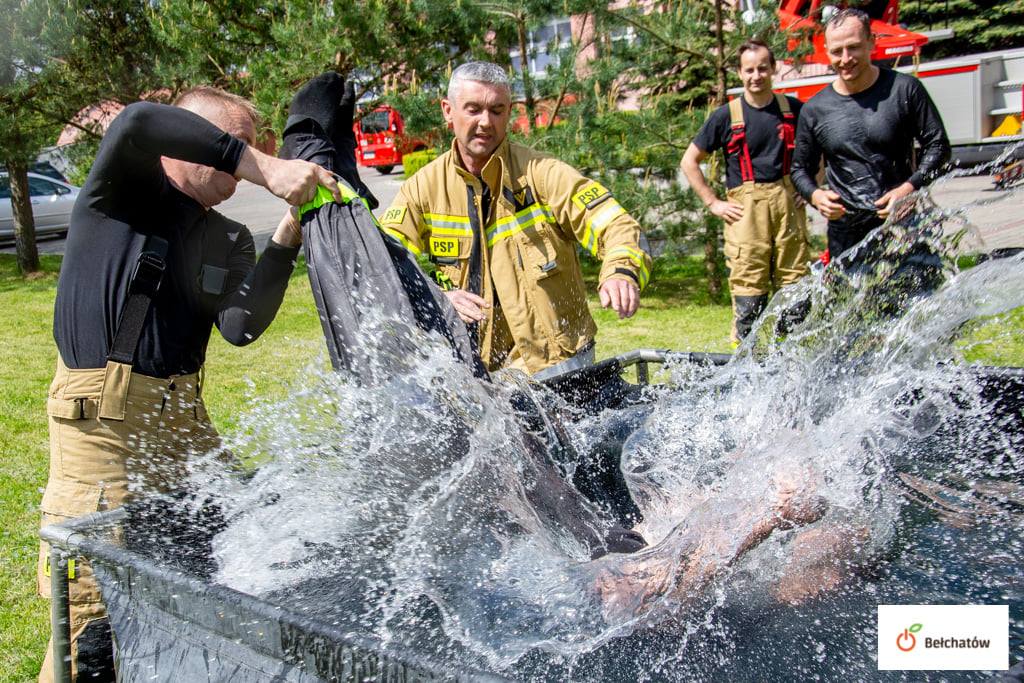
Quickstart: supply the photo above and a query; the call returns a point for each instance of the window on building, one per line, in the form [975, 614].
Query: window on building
[544, 46]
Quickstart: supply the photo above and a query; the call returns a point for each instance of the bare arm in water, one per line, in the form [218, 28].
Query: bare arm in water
[712, 537]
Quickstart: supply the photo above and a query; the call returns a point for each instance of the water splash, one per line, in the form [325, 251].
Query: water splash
[412, 510]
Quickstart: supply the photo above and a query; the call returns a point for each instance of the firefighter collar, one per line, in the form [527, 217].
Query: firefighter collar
[495, 171]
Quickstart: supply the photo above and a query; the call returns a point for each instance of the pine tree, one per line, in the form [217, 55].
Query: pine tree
[265, 49]
[978, 25]
[677, 63]
[57, 57]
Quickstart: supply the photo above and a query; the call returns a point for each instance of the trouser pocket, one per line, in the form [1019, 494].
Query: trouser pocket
[65, 500]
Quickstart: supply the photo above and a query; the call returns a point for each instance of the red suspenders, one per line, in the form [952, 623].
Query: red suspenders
[738, 143]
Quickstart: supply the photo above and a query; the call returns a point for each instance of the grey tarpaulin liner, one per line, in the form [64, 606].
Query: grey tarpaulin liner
[176, 626]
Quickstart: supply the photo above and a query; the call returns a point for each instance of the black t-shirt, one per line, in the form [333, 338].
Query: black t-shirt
[763, 139]
[868, 142]
[126, 197]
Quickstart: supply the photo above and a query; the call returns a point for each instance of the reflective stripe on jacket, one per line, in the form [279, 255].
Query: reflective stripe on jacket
[541, 207]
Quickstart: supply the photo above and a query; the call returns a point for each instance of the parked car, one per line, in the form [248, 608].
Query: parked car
[43, 168]
[52, 201]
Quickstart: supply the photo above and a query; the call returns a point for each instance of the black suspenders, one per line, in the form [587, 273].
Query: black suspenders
[145, 282]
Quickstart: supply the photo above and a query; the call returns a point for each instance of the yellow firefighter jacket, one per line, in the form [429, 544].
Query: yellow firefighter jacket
[528, 268]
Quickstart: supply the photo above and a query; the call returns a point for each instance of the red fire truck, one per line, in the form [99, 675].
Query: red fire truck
[891, 40]
[381, 141]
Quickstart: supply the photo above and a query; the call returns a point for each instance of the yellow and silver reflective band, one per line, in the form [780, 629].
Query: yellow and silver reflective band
[595, 224]
[401, 238]
[444, 225]
[504, 228]
[325, 196]
[636, 257]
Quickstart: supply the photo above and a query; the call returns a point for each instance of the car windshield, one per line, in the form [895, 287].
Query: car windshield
[375, 122]
[5, 188]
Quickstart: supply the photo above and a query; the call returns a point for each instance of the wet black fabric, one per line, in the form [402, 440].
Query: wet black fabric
[366, 285]
[843, 236]
[127, 197]
[867, 140]
[356, 272]
[763, 139]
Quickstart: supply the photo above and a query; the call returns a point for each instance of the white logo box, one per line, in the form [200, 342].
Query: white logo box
[943, 637]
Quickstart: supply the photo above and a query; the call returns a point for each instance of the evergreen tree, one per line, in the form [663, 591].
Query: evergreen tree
[22, 132]
[57, 57]
[677, 63]
[265, 49]
[978, 25]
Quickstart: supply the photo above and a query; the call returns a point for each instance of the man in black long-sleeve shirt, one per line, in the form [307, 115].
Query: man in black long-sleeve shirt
[865, 125]
[125, 411]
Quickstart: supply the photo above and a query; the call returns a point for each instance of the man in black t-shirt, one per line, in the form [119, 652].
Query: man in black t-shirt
[865, 125]
[765, 222]
[149, 269]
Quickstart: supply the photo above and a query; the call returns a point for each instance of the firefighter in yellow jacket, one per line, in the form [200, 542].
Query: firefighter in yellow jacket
[501, 222]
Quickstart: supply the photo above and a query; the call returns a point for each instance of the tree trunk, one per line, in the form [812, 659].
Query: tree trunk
[24, 223]
[524, 63]
[711, 256]
[721, 61]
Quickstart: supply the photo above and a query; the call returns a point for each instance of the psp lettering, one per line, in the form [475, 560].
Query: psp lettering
[444, 246]
[957, 643]
[591, 195]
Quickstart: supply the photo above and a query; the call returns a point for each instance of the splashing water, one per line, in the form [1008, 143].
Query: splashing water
[420, 512]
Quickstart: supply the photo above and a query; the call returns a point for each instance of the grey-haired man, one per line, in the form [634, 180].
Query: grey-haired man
[501, 222]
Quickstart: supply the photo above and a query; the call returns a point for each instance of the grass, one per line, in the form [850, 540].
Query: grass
[26, 365]
[996, 341]
[676, 314]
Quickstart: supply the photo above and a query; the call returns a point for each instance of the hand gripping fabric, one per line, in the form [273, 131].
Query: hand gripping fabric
[370, 292]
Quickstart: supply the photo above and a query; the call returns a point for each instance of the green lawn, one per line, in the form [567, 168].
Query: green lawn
[676, 315]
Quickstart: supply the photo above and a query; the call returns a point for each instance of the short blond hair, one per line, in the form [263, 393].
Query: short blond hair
[207, 94]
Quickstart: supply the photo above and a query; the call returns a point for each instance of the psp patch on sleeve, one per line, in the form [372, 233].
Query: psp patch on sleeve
[394, 215]
[591, 195]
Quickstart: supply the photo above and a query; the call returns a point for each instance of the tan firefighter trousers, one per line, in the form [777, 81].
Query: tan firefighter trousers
[97, 462]
[767, 248]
